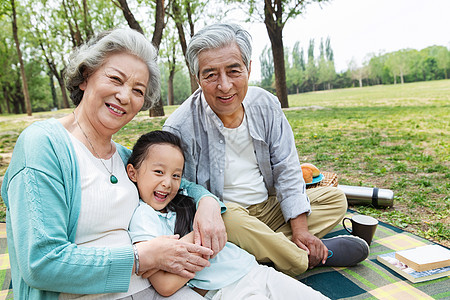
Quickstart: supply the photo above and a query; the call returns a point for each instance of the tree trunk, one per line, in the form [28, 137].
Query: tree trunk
[172, 66]
[52, 89]
[87, 22]
[26, 95]
[59, 75]
[170, 92]
[275, 32]
[74, 33]
[159, 23]
[6, 96]
[62, 86]
[401, 78]
[157, 109]
[131, 20]
[176, 10]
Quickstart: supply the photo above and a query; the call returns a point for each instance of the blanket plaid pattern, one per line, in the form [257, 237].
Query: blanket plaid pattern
[368, 280]
[5, 272]
[371, 279]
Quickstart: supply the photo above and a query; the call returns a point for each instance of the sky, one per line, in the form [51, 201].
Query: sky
[357, 28]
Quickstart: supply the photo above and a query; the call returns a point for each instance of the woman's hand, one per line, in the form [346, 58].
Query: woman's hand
[209, 229]
[172, 255]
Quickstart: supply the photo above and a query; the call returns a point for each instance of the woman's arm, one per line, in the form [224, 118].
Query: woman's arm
[42, 196]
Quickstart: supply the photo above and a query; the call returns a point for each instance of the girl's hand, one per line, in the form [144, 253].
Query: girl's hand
[172, 255]
[209, 229]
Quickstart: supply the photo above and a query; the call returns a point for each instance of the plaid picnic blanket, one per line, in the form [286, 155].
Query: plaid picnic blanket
[5, 272]
[368, 280]
[371, 279]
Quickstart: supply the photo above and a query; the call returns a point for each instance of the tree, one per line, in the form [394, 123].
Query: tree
[128, 15]
[71, 25]
[52, 65]
[326, 70]
[275, 14]
[8, 58]
[157, 108]
[442, 57]
[182, 13]
[358, 73]
[399, 64]
[78, 20]
[169, 54]
[298, 60]
[376, 68]
[267, 71]
[21, 63]
[311, 69]
[295, 73]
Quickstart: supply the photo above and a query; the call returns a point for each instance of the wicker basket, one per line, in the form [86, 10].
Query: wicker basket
[329, 179]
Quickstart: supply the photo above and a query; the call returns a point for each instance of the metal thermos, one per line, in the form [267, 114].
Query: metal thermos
[359, 195]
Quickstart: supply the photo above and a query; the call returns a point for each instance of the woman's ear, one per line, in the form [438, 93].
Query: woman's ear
[132, 173]
[83, 85]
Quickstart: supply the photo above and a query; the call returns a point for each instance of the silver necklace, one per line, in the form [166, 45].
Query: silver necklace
[112, 178]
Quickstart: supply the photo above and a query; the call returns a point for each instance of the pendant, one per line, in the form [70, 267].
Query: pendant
[113, 179]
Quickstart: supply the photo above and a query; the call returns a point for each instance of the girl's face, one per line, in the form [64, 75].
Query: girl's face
[159, 176]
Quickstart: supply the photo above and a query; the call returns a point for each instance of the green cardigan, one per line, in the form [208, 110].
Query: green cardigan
[42, 192]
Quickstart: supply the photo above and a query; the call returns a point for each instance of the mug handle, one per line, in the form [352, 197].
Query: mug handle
[345, 227]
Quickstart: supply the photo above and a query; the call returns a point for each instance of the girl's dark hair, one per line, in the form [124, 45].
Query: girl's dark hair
[182, 205]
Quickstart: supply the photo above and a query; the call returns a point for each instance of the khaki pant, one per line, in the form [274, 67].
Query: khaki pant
[261, 230]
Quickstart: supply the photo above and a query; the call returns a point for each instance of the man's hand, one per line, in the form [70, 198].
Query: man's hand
[209, 229]
[317, 251]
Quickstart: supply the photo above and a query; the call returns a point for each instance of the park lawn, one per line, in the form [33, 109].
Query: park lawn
[394, 137]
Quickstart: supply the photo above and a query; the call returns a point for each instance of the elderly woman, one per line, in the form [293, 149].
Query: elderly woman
[69, 198]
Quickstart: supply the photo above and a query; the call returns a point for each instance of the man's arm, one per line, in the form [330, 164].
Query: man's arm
[209, 228]
[208, 225]
[317, 251]
[291, 189]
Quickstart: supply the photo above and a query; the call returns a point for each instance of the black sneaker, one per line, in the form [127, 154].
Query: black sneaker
[345, 250]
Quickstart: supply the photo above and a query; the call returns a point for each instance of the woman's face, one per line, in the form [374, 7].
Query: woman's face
[114, 93]
[159, 176]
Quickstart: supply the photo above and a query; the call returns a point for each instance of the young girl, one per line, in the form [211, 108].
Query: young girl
[156, 166]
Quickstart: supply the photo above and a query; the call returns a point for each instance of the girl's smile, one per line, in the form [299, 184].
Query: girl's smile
[159, 176]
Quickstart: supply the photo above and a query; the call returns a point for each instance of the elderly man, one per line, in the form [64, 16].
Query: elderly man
[240, 146]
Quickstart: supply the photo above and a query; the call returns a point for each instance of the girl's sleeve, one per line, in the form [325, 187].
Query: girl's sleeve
[145, 224]
[197, 192]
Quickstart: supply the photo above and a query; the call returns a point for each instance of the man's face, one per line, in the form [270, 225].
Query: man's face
[223, 78]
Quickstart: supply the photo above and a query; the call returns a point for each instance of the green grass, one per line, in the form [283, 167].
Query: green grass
[395, 137]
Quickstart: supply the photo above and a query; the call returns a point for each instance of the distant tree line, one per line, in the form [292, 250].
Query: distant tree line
[308, 72]
[37, 36]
